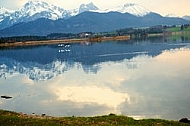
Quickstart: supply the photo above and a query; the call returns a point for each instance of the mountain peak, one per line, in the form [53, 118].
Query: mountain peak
[133, 9]
[4, 13]
[87, 7]
[36, 7]
[32, 10]
[35, 3]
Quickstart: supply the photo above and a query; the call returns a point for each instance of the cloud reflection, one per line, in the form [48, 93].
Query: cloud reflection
[91, 94]
[142, 87]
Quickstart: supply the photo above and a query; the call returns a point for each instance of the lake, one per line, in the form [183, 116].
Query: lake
[147, 78]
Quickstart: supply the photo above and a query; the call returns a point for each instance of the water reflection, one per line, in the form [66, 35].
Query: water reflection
[144, 80]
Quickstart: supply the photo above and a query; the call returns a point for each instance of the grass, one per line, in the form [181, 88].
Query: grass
[178, 29]
[8, 118]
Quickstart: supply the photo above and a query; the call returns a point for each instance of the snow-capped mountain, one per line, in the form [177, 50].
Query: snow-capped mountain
[37, 9]
[52, 12]
[83, 8]
[33, 10]
[131, 8]
[4, 13]
[87, 7]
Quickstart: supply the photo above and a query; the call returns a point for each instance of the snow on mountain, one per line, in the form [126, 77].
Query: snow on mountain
[83, 8]
[88, 7]
[33, 10]
[131, 8]
[37, 9]
[4, 13]
[73, 12]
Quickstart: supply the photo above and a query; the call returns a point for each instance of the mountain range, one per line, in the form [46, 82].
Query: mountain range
[40, 18]
[33, 10]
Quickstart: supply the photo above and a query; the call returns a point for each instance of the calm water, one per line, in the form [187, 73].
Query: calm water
[142, 79]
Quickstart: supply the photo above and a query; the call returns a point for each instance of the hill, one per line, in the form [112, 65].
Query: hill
[89, 21]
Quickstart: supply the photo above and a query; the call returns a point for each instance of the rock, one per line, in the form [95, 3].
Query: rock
[43, 114]
[184, 120]
[6, 97]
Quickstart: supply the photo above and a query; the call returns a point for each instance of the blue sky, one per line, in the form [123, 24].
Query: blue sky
[164, 7]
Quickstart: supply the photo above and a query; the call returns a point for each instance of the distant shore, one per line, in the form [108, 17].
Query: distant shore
[45, 42]
[88, 39]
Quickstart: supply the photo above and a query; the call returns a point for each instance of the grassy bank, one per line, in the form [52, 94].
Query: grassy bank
[94, 39]
[179, 31]
[18, 119]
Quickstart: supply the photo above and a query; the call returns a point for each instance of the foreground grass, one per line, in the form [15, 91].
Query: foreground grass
[8, 118]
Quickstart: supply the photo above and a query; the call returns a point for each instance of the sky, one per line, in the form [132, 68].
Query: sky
[163, 7]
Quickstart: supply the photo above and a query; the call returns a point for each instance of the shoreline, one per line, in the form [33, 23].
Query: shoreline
[90, 39]
[46, 42]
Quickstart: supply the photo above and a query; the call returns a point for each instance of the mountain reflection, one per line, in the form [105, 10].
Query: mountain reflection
[46, 62]
[144, 80]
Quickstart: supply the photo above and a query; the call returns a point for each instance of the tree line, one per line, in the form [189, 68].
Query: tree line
[133, 32]
[53, 36]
